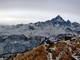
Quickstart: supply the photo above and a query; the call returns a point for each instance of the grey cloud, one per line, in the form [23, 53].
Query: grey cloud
[64, 6]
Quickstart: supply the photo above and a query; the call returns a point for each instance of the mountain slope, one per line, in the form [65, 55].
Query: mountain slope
[38, 53]
[59, 50]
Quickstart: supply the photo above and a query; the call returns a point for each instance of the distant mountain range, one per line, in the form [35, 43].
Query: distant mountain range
[23, 37]
[46, 28]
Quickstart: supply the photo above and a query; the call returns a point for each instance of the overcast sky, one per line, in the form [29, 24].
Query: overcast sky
[27, 11]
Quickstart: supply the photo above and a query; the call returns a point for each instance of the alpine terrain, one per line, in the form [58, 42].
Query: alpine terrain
[29, 40]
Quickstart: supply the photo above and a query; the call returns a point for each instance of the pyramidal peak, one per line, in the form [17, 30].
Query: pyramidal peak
[58, 19]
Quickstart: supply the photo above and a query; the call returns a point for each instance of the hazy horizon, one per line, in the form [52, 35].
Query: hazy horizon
[27, 11]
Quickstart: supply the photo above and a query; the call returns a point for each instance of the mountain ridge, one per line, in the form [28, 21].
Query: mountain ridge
[53, 19]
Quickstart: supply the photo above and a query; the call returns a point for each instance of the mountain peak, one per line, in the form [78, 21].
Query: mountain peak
[68, 21]
[59, 17]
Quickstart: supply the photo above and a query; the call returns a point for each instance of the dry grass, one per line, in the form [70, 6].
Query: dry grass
[35, 54]
[40, 53]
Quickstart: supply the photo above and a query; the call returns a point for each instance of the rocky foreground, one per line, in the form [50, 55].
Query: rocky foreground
[58, 50]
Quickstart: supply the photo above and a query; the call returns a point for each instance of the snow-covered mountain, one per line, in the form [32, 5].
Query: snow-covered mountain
[22, 37]
[54, 26]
